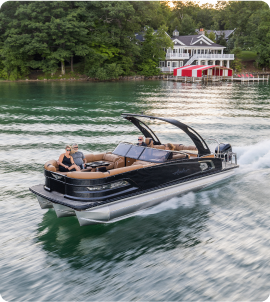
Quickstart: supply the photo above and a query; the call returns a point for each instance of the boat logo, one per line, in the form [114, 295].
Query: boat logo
[57, 176]
[178, 172]
[203, 166]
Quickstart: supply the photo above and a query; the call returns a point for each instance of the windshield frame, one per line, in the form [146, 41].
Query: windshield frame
[165, 153]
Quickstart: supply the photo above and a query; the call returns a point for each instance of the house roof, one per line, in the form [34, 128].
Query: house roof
[226, 33]
[196, 40]
[139, 37]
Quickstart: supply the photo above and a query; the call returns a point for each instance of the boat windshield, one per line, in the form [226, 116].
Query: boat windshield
[122, 149]
[142, 153]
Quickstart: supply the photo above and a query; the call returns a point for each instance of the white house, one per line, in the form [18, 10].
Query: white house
[194, 50]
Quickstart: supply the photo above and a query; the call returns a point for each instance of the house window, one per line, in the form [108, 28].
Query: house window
[174, 50]
[199, 51]
[174, 64]
[202, 51]
[206, 51]
[168, 64]
[194, 52]
[161, 64]
[181, 63]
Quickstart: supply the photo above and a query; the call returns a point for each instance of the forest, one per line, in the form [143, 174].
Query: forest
[97, 38]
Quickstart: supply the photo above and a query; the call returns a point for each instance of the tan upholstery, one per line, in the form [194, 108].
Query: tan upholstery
[208, 156]
[179, 156]
[86, 175]
[183, 147]
[141, 162]
[120, 163]
[114, 160]
[96, 175]
[149, 142]
[110, 157]
[51, 165]
[162, 147]
[94, 157]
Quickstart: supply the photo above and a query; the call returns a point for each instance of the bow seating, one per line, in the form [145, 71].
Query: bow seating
[114, 160]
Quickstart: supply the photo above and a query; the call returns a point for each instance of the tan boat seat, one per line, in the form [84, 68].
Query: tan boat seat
[96, 175]
[162, 147]
[114, 160]
[143, 163]
[51, 165]
[149, 142]
[179, 156]
[183, 147]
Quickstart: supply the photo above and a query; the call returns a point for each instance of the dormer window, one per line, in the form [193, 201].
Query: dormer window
[175, 33]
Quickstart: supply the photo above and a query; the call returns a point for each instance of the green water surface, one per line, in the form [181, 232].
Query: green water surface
[210, 245]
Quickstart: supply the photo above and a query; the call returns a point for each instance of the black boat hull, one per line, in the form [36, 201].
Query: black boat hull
[88, 212]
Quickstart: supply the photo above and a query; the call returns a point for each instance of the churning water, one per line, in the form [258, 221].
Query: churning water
[207, 245]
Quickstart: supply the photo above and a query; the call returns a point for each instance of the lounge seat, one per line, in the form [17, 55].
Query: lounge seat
[179, 147]
[114, 160]
[162, 147]
[180, 156]
[143, 163]
[96, 175]
[52, 165]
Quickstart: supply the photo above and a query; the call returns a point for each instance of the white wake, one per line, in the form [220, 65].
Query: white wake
[250, 158]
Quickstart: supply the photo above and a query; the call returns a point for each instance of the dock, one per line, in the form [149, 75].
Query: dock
[213, 73]
[206, 79]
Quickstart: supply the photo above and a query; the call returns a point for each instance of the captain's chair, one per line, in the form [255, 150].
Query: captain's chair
[149, 142]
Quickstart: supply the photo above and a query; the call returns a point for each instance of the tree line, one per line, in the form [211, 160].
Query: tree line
[101, 35]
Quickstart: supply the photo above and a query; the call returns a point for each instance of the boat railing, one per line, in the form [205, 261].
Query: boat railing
[230, 159]
[227, 157]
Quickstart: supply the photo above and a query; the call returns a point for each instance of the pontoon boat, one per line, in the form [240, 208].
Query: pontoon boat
[132, 178]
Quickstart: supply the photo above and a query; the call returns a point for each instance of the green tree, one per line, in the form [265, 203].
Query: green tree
[259, 35]
[153, 50]
[237, 62]
[53, 32]
[187, 26]
[212, 36]
[237, 15]
[204, 18]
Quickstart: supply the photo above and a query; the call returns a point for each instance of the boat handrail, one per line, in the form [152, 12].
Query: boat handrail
[217, 154]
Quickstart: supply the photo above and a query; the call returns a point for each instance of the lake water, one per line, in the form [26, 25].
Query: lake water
[210, 245]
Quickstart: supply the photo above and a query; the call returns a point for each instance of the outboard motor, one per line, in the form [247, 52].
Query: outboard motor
[224, 149]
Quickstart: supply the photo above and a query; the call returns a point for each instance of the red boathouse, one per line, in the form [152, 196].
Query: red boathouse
[198, 71]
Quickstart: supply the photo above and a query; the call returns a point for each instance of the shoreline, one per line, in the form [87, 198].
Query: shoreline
[124, 78]
[86, 79]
